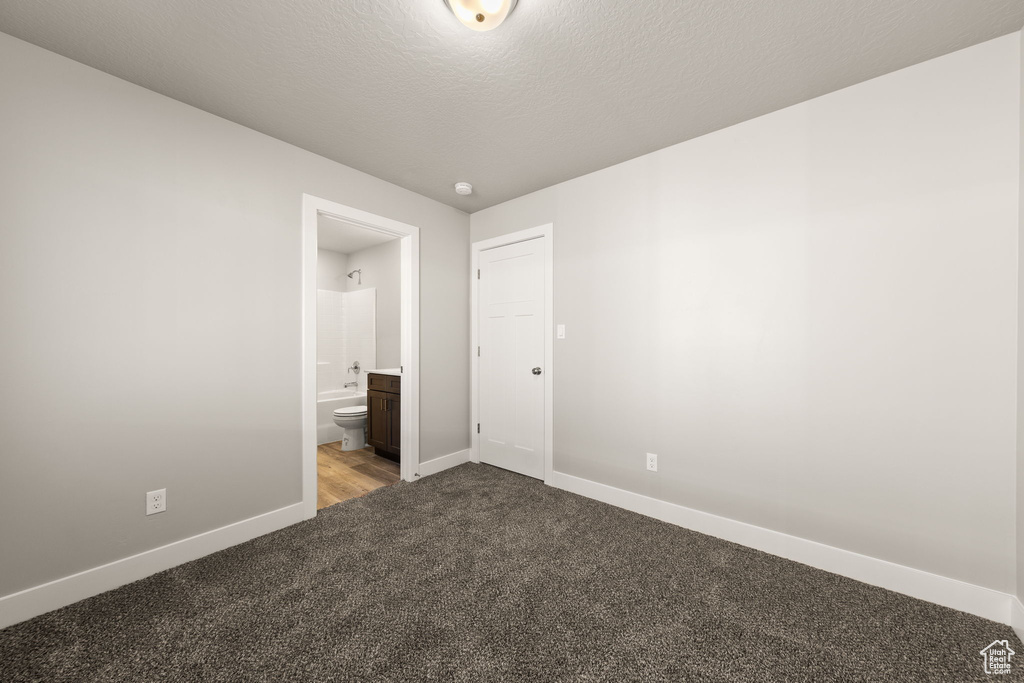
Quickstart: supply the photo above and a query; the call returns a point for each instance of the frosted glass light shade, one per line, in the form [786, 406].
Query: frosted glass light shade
[481, 15]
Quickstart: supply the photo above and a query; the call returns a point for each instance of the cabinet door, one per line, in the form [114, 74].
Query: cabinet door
[376, 420]
[394, 424]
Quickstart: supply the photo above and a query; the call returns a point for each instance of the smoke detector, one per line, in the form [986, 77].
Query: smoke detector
[463, 189]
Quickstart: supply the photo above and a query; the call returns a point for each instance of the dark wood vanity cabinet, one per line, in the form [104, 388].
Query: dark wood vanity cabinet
[384, 414]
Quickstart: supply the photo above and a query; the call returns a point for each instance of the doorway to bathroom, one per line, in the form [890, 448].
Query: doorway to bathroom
[360, 356]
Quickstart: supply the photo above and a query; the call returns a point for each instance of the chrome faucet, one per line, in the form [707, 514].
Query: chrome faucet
[351, 384]
[354, 368]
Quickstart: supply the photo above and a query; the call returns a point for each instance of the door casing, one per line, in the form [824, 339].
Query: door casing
[410, 268]
[546, 234]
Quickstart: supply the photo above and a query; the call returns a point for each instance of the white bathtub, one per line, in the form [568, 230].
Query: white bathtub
[326, 403]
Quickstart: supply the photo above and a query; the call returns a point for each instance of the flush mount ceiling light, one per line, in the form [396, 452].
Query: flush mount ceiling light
[481, 15]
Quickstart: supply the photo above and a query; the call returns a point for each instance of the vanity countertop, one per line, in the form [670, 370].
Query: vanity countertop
[386, 371]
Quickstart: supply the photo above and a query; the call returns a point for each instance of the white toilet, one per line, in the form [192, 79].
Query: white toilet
[353, 421]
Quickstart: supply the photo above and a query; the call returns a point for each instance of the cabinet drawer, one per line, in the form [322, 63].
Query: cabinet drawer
[389, 383]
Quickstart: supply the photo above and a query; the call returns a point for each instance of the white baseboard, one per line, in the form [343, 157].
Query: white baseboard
[443, 463]
[40, 599]
[1017, 617]
[966, 597]
[984, 602]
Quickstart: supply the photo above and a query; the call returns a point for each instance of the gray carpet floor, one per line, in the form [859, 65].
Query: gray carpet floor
[476, 574]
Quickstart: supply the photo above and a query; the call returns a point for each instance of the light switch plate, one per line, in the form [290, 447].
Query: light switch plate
[561, 331]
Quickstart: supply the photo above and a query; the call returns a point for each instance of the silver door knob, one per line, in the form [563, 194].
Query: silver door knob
[536, 371]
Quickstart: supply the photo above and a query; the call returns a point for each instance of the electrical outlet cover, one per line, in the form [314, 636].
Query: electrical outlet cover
[156, 501]
[652, 462]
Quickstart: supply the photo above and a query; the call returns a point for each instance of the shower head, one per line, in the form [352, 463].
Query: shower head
[360, 271]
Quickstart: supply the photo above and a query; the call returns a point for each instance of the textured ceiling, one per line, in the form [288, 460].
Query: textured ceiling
[399, 89]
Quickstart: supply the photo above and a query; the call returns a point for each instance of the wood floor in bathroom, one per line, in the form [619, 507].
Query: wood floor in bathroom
[342, 475]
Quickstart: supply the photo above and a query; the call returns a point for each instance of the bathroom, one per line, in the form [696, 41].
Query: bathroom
[358, 304]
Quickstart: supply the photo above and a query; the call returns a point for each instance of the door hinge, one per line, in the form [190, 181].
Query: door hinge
[477, 427]
[478, 352]
[477, 273]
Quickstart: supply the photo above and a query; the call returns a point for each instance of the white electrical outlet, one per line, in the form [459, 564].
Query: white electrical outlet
[156, 501]
[652, 462]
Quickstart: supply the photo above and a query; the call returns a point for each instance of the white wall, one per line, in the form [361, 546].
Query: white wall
[138, 362]
[810, 317]
[1020, 351]
[382, 269]
[331, 270]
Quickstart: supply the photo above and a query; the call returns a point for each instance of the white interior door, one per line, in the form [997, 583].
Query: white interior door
[511, 334]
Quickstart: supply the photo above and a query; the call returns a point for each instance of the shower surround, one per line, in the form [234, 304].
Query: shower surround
[346, 333]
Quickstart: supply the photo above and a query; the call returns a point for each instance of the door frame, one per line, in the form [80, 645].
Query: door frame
[545, 233]
[312, 207]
